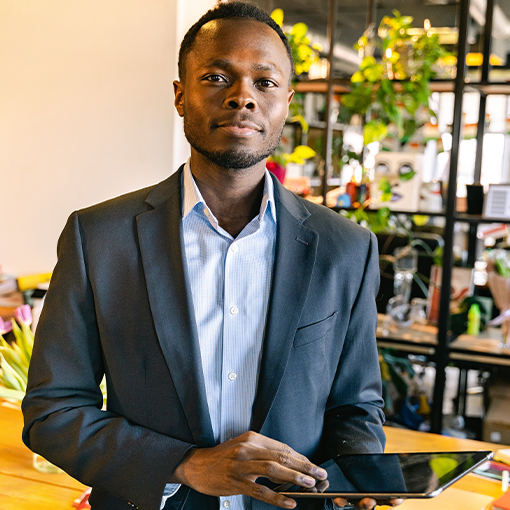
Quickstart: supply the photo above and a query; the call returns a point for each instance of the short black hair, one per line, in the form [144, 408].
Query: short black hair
[230, 10]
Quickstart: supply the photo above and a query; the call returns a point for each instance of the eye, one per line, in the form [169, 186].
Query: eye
[267, 84]
[215, 78]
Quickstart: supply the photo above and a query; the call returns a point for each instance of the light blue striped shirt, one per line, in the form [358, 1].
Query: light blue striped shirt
[230, 285]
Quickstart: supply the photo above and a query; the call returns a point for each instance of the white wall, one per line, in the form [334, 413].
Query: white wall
[86, 111]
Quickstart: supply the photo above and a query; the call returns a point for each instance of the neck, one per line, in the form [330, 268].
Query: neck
[233, 195]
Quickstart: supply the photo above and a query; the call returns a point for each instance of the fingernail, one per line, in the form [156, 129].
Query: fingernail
[310, 482]
[321, 473]
[289, 503]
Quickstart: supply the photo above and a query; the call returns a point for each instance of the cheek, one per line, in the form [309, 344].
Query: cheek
[278, 111]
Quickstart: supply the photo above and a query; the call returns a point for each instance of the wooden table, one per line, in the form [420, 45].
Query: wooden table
[24, 488]
[21, 486]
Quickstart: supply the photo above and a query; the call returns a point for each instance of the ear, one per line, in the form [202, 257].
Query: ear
[290, 95]
[179, 97]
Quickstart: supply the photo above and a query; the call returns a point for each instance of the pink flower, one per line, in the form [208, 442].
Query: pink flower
[23, 314]
[5, 327]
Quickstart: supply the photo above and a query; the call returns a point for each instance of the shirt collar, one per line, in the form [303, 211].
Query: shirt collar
[192, 196]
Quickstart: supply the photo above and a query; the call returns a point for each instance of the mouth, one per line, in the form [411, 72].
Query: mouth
[239, 127]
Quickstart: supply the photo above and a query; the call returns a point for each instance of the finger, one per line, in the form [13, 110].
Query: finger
[247, 453]
[390, 502]
[322, 485]
[277, 473]
[366, 504]
[272, 444]
[268, 496]
[341, 502]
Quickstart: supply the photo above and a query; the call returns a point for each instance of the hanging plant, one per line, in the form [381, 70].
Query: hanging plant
[394, 90]
[304, 54]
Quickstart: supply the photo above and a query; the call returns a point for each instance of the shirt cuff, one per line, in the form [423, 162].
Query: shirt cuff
[170, 490]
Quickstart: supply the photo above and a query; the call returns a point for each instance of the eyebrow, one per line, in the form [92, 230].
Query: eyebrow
[227, 64]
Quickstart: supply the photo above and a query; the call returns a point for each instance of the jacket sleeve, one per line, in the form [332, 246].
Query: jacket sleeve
[356, 427]
[64, 421]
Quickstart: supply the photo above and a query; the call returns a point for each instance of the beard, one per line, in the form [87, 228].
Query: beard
[235, 158]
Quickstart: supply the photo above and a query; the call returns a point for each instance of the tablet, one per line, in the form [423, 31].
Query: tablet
[391, 475]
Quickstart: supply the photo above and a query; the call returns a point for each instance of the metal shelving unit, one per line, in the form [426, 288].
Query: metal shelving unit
[438, 350]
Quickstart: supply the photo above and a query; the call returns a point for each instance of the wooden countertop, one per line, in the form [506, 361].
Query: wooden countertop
[24, 488]
[21, 485]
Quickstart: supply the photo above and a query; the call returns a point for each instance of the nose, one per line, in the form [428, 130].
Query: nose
[240, 97]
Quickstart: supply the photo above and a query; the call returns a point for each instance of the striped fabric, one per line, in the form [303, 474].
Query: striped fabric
[230, 283]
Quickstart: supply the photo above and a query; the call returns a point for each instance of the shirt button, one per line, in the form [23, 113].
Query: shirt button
[234, 248]
[226, 503]
[234, 310]
[232, 376]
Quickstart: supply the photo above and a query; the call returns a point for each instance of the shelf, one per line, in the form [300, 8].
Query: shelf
[476, 218]
[408, 213]
[417, 338]
[482, 349]
[343, 86]
[320, 124]
[459, 217]
[501, 88]
[321, 86]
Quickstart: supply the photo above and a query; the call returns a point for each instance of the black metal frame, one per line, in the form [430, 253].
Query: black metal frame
[441, 356]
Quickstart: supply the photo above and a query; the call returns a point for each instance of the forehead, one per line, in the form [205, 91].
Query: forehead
[242, 39]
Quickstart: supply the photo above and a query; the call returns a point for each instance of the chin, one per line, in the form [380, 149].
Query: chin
[235, 159]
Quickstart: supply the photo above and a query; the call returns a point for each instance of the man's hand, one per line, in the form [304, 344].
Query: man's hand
[232, 467]
[366, 503]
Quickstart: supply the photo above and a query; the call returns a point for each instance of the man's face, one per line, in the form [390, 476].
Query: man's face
[235, 94]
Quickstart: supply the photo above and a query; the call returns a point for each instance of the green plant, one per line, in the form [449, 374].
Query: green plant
[298, 155]
[15, 356]
[304, 54]
[396, 88]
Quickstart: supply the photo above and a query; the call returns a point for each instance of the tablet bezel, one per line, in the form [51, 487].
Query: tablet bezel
[487, 455]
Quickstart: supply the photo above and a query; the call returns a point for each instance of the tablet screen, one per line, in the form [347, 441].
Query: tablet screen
[395, 474]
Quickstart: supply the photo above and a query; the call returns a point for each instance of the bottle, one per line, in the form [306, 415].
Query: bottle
[474, 320]
[352, 190]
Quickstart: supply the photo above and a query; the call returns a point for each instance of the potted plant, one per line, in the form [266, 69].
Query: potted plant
[394, 91]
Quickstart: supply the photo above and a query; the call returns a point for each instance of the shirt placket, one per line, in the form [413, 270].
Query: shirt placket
[231, 423]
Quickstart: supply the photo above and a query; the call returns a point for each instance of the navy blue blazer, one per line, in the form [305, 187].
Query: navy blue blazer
[119, 304]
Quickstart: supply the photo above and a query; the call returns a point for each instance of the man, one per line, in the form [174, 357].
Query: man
[235, 322]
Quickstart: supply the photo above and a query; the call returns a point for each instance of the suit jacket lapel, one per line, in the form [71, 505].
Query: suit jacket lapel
[164, 265]
[296, 247]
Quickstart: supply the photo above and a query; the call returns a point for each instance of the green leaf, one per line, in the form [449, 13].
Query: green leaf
[407, 176]
[357, 77]
[374, 131]
[373, 73]
[24, 339]
[384, 185]
[9, 377]
[10, 393]
[14, 359]
[299, 30]
[367, 62]
[302, 121]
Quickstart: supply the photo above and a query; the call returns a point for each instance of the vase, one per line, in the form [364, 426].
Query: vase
[44, 466]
